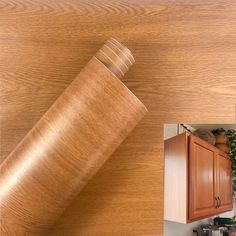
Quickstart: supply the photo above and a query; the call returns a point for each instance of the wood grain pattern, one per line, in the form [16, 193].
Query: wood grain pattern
[202, 180]
[210, 173]
[185, 53]
[224, 181]
[197, 179]
[67, 146]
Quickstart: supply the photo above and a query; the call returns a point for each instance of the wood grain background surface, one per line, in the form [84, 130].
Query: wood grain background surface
[185, 71]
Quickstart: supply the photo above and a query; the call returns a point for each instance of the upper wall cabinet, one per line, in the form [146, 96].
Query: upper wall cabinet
[198, 179]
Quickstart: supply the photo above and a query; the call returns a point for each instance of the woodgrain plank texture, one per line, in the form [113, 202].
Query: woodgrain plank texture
[68, 145]
[185, 71]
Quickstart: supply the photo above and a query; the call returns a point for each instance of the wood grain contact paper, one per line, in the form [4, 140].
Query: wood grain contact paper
[68, 144]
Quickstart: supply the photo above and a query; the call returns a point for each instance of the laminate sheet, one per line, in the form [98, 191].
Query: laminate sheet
[69, 144]
[184, 72]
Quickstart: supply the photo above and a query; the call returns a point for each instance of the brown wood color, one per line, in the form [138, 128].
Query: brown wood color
[210, 180]
[224, 181]
[201, 179]
[198, 179]
[184, 72]
[68, 145]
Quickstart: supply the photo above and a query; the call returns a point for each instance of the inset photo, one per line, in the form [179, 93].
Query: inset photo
[200, 178]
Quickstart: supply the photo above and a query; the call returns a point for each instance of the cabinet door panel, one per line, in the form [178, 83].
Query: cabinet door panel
[202, 176]
[224, 182]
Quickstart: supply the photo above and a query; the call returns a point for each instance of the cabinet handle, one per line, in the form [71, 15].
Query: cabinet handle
[216, 199]
[219, 202]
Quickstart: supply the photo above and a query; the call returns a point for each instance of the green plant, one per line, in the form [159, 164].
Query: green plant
[231, 134]
[219, 131]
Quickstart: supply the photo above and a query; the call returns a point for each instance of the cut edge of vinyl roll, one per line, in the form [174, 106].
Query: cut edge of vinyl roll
[69, 144]
[117, 58]
[123, 85]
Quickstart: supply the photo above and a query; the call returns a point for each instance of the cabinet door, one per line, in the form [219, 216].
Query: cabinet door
[224, 182]
[202, 201]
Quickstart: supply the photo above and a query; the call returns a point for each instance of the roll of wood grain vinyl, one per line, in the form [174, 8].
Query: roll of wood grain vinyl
[68, 144]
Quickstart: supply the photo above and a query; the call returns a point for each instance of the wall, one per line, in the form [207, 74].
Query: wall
[185, 52]
[178, 229]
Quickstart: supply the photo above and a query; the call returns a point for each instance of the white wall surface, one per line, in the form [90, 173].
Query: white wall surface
[177, 229]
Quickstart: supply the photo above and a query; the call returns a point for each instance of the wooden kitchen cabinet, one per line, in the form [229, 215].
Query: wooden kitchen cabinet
[198, 179]
[201, 178]
[223, 181]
